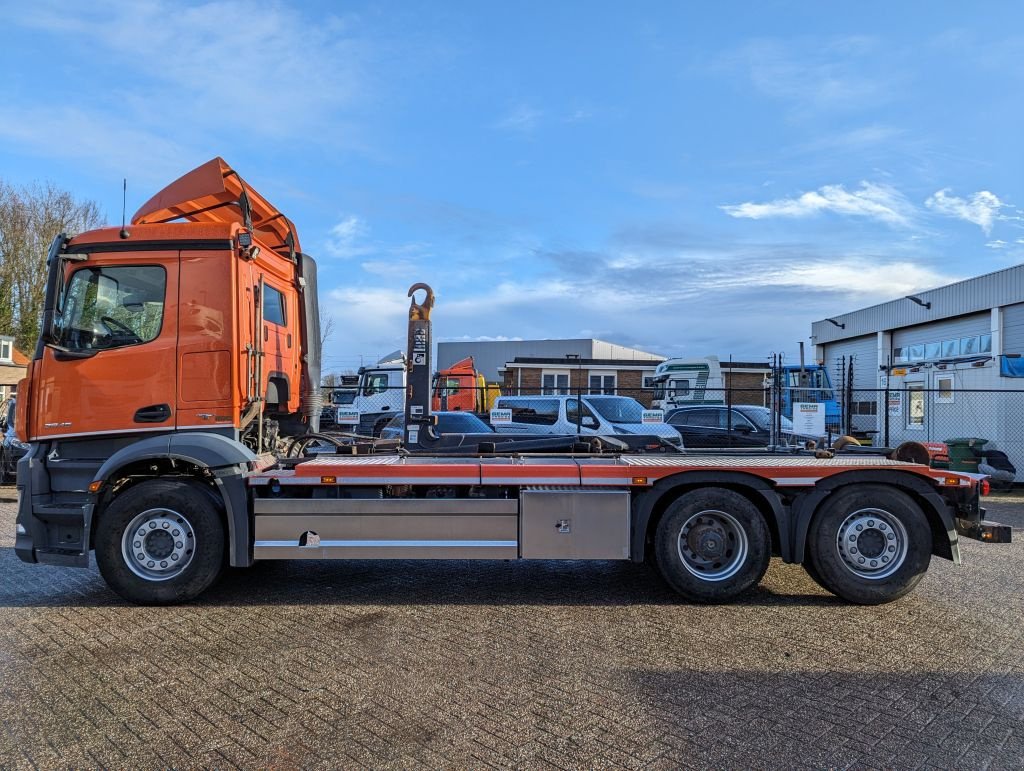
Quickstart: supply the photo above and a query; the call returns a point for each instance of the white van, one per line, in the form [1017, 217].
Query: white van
[602, 415]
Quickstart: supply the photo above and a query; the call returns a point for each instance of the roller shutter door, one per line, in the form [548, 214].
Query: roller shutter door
[1013, 328]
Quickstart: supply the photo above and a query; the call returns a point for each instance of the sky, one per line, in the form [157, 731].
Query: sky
[684, 178]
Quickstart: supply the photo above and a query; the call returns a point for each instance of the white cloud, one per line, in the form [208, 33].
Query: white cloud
[980, 209]
[523, 119]
[996, 244]
[345, 237]
[183, 78]
[274, 72]
[881, 202]
[855, 276]
[836, 74]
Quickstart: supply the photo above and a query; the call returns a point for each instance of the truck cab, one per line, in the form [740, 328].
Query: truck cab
[195, 327]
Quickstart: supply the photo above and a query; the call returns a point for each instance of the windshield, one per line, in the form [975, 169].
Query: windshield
[109, 307]
[343, 397]
[761, 418]
[617, 409]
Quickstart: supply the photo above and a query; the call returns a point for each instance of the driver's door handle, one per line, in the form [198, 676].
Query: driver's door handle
[155, 413]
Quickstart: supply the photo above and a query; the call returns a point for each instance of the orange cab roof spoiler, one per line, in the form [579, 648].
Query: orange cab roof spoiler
[214, 192]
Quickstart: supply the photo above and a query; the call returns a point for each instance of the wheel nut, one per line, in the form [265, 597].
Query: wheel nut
[853, 550]
[163, 563]
[142, 532]
[153, 564]
[174, 557]
[871, 523]
[874, 563]
[881, 526]
[861, 560]
[175, 532]
[164, 525]
[860, 527]
[892, 548]
[885, 559]
[141, 556]
[138, 544]
[178, 544]
[853, 538]
[152, 525]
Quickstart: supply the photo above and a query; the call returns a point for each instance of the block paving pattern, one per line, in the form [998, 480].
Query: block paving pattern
[505, 664]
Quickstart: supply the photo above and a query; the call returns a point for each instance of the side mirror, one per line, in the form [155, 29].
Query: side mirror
[589, 422]
[742, 429]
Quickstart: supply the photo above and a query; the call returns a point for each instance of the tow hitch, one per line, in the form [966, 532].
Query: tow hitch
[989, 532]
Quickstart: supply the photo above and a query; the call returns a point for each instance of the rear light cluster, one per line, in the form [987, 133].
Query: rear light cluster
[986, 488]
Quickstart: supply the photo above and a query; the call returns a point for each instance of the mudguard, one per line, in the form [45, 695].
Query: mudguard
[645, 503]
[226, 458]
[935, 508]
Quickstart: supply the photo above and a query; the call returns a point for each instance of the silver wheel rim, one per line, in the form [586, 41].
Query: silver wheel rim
[158, 544]
[712, 545]
[872, 543]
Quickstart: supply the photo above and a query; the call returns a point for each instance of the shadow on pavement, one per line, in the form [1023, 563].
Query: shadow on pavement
[396, 582]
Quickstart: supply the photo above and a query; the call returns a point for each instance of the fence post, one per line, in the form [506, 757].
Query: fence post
[885, 406]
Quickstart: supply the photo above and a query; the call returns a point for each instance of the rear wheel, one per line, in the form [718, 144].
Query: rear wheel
[712, 545]
[161, 542]
[869, 545]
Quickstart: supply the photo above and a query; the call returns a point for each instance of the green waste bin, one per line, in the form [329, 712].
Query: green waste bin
[962, 455]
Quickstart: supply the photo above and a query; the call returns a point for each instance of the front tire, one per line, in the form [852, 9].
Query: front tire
[711, 545]
[161, 542]
[869, 544]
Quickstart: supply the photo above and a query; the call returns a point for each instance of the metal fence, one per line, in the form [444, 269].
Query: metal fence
[755, 417]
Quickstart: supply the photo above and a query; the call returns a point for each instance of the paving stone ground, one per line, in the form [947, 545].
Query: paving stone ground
[567, 665]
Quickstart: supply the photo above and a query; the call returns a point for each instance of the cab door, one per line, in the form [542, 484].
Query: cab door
[109, 365]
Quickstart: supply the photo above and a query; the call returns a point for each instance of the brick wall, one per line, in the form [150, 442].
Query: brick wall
[746, 387]
[528, 382]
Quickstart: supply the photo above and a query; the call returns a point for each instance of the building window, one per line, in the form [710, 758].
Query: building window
[944, 388]
[915, 405]
[602, 384]
[554, 383]
[6, 351]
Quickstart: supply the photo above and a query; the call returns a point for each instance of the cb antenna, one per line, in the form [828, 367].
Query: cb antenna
[124, 200]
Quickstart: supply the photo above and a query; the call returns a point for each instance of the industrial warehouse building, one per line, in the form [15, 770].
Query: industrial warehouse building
[940, 364]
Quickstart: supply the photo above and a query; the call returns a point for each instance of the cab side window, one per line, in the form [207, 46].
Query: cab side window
[273, 306]
[111, 307]
[376, 384]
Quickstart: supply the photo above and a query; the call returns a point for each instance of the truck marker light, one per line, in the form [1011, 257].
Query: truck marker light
[951, 481]
[639, 480]
[94, 487]
[329, 480]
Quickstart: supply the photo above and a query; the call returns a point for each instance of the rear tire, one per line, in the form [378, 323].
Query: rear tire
[161, 542]
[869, 544]
[712, 545]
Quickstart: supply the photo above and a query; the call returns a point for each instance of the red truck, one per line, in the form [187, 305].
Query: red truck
[179, 357]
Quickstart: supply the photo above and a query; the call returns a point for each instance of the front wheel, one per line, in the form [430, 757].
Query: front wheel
[869, 544]
[161, 542]
[712, 545]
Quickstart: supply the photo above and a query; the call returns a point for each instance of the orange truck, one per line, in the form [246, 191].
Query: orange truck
[461, 388]
[178, 354]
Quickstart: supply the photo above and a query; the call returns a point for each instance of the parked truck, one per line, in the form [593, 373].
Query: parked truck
[461, 387]
[179, 354]
[686, 382]
[810, 383]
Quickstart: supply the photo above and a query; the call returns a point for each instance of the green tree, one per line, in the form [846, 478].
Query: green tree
[30, 217]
